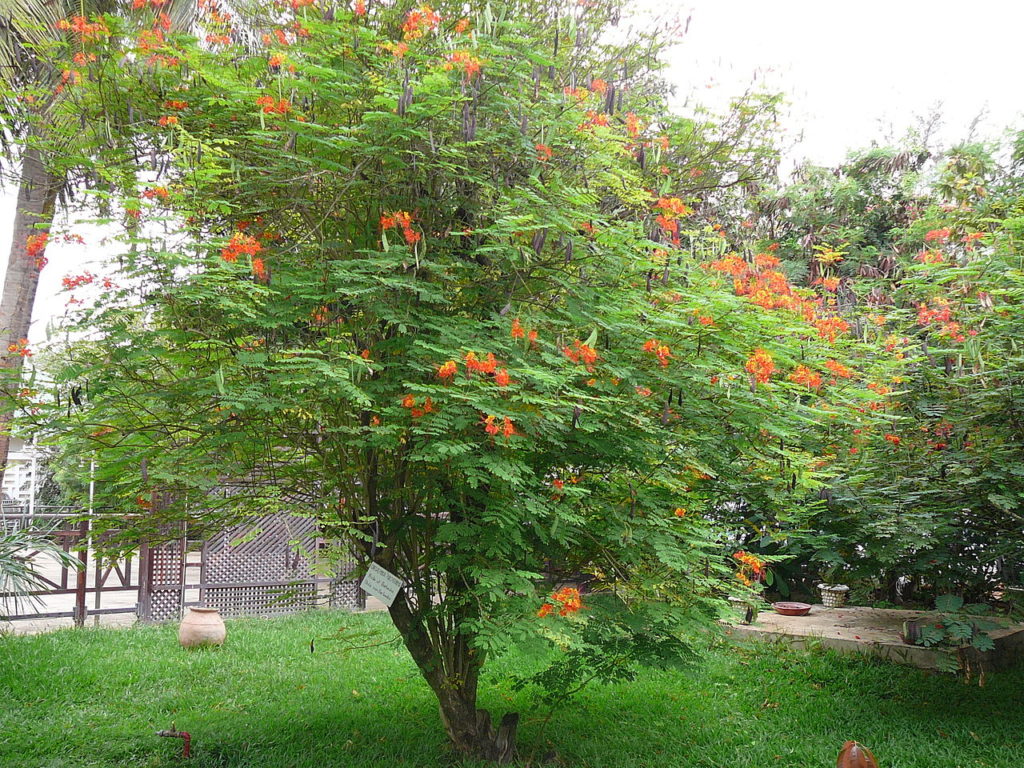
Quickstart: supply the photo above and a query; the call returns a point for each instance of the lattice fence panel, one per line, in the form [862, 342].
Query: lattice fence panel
[167, 579]
[261, 600]
[267, 567]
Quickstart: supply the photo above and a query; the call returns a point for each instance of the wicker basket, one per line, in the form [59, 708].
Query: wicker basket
[833, 595]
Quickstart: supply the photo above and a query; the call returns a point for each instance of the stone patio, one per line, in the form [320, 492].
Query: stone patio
[872, 631]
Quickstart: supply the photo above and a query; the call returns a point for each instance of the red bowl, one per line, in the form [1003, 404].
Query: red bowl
[792, 609]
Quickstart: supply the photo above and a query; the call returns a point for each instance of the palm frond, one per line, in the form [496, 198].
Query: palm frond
[21, 554]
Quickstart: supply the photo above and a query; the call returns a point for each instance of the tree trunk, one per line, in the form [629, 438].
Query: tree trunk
[37, 196]
[452, 672]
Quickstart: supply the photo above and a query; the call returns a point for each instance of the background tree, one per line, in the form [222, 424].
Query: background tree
[36, 133]
[921, 254]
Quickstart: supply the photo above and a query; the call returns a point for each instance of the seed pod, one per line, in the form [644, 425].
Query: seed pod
[856, 755]
[538, 240]
[609, 100]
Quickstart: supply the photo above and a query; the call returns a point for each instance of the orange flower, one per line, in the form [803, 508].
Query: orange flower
[83, 29]
[532, 337]
[239, 244]
[751, 563]
[448, 370]
[545, 610]
[806, 377]
[408, 401]
[680, 512]
[462, 26]
[633, 127]
[839, 369]
[830, 327]
[894, 439]
[501, 377]
[644, 391]
[830, 283]
[760, 365]
[271, 107]
[731, 264]
[167, 120]
[488, 365]
[517, 329]
[404, 220]
[507, 428]
[659, 350]
[259, 269]
[597, 85]
[705, 320]
[569, 600]
[469, 63]
[420, 21]
[929, 257]
[359, 8]
[36, 244]
[20, 348]
[398, 50]
[544, 152]
[673, 207]
[581, 352]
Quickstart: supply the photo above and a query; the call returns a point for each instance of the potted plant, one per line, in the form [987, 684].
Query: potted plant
[833, 593]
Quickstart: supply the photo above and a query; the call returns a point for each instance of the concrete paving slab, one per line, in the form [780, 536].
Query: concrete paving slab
[874, 631]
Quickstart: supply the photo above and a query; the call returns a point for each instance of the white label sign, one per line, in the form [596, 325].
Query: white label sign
[380, 583]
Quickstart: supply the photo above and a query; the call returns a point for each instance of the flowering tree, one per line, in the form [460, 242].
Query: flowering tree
[427, 276]
[920, 251]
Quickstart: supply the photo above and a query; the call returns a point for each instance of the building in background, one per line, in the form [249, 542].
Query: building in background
[19, 485]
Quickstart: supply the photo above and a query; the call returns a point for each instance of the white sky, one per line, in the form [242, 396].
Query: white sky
[850, 69]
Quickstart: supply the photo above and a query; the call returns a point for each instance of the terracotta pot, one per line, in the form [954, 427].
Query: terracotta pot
[792, 609]
[201, 626]
[856, 755]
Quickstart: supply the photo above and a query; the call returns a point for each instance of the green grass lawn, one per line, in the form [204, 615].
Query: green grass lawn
[96, 697]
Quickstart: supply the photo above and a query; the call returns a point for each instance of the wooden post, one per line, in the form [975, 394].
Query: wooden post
[80, 578]
[142, 610]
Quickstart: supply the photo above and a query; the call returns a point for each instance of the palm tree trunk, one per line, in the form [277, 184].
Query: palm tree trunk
[37, 197]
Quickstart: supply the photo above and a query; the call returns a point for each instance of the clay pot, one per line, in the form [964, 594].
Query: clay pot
[201, 626]
[856, 755]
